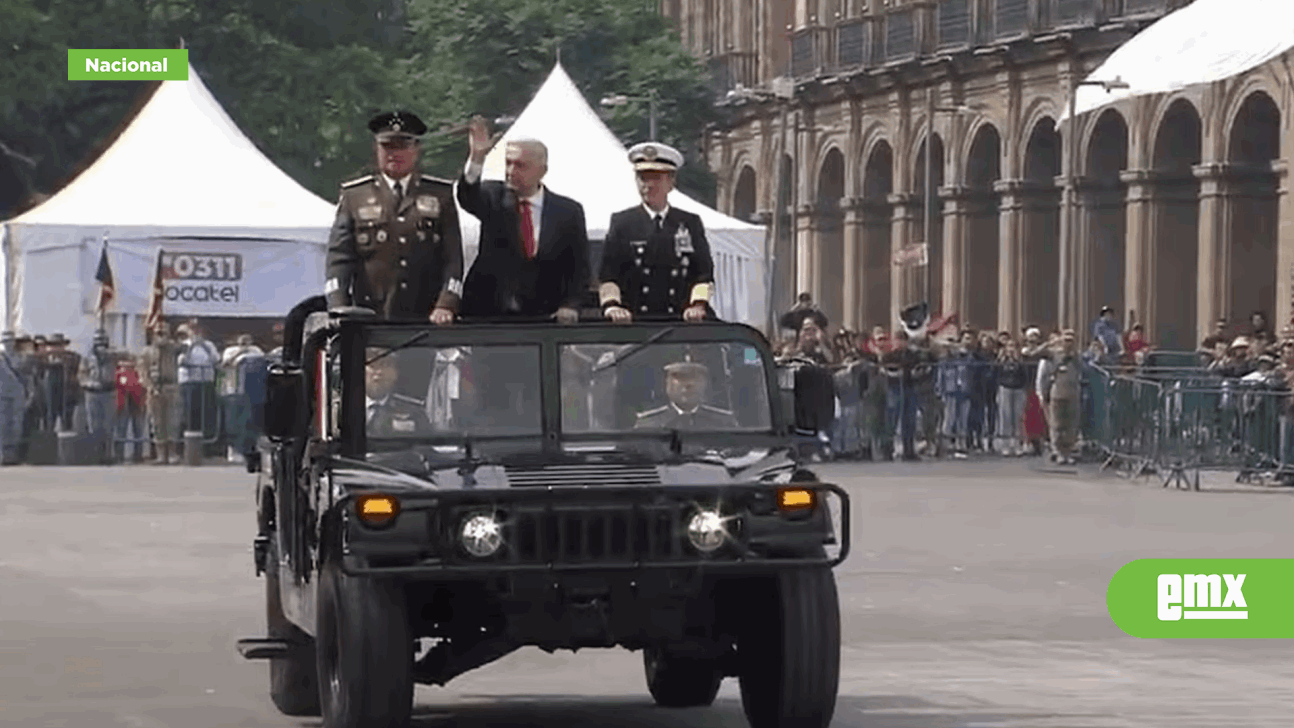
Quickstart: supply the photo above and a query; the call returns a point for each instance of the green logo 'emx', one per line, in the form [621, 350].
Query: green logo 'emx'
[1203, 598]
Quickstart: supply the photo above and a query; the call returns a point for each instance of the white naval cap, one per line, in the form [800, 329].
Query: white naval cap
[655, 157]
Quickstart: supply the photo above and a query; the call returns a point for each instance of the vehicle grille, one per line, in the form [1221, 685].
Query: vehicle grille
[583, 474]
[587, 534]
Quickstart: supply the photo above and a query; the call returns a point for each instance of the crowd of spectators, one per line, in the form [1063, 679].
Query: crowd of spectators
[131, 406]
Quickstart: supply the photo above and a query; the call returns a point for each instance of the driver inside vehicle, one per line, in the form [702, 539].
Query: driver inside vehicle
[387, 412]
[687, 385]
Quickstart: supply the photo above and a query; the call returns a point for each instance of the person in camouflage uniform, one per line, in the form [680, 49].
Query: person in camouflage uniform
[159, 370]
[97, 378]
[1059, 388]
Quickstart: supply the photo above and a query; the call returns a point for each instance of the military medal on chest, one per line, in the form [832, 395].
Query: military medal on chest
[682, 241]
[428, 205]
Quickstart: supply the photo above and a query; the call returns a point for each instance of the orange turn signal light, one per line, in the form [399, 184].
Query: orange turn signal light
[377, 509]
[796, 499]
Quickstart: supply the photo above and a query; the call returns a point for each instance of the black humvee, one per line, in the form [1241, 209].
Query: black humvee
[431, 499]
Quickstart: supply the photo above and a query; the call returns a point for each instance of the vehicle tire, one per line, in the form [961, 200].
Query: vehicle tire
[365, 650]
[789, 650]
[681, 682]
[294, 682]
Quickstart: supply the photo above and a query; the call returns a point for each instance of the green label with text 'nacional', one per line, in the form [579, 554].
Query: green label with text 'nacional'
[114, 64]
[1204, 598]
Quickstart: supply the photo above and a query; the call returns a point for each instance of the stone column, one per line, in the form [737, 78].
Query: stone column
[956, 286]
[852, 293]
[1010, 306]
[1284, 248]
[805, 234]
[1139, 270]
[1069, 267]
[904, 220]
[1214, 300]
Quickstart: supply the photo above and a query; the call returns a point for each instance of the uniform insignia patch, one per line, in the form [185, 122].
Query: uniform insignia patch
[362, 238]
[455, 287]
[369, 212]
[649, 153]
[381, 236]
[682, 241]
[429, 206]
[332, 286]
[402, 425]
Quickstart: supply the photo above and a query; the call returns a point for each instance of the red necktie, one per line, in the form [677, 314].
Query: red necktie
[527, 229]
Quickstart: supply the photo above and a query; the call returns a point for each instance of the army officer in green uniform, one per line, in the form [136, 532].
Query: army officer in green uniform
[387, 412]
[686, 384]
[395, 245]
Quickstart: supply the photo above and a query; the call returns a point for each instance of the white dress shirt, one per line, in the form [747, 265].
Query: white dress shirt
[652, 213]
[473, 173]
[404, 183]
[371, 407]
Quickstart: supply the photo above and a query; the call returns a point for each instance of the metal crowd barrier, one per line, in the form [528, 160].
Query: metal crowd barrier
[1178, 422]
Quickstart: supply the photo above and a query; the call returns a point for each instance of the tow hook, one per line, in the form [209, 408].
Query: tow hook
[260, 550]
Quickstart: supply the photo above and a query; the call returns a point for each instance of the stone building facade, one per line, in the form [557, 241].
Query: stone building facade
[1179, 208]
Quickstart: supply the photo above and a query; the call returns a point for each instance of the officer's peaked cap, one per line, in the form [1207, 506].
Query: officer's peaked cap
[397, 124]
[655, 157]
[687, 367]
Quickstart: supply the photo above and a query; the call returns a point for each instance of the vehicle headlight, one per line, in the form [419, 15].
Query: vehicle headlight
[707, 531]
[481, 535]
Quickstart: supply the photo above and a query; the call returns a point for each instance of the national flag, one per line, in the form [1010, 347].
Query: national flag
[155, 298]
[107, 290]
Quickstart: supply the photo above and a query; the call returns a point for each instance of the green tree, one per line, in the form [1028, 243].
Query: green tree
[490, 56]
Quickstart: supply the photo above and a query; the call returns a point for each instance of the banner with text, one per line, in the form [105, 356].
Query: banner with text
[217, 278]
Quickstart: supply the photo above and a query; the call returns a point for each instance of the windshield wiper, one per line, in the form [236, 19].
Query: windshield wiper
[405, 345]
[634, 349]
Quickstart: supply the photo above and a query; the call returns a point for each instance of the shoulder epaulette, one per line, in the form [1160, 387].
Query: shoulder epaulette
[650, 412]
[437, 180]
[358, 181]
[408, 400]
[717, 410]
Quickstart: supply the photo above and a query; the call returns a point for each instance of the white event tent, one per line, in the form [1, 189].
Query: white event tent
[242, 238]
[1204, 42]
[587, 163]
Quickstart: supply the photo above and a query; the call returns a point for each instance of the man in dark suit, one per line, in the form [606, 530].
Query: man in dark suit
[533, 259]
[686, 383]
[387, 412]
[395, 245]
[656, 260]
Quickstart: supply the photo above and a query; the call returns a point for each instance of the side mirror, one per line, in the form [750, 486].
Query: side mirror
[285, 392]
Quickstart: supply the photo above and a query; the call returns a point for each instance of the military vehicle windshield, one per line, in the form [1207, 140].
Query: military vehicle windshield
[422, 391]
[699, 386]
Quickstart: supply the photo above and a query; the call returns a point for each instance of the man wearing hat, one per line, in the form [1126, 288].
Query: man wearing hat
[387, 412]
[62, 393]
[656, 260]
[1059, 387]
[1107, 332]
[160, 376]
[97, 377]
[686, 384]
[395, 245]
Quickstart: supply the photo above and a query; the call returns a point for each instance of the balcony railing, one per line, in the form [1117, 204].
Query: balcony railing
[900, 36]
[732, 70]
[1011, 19]
[854, 43]
[953, 24]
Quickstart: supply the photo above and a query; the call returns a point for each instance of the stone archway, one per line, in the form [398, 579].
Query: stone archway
[1254, 212]
[1176, 224]
[743, 195]
[926, 283]
[983, 170]
[1040, 267]
[878, 215]
[829, 238]
[1104, 219]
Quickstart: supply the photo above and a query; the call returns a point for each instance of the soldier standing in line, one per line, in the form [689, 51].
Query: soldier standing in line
[1059, 388]
[59, 369]
[395, 245]
[160, 373]
[13, 399]
[97, 378]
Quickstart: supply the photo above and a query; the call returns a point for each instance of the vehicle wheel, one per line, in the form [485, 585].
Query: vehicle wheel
[681, 682]
[365, 651]
[789, 651]
[294, 682]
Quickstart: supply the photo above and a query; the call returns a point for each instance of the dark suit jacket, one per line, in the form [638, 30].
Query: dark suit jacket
[502, 281]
